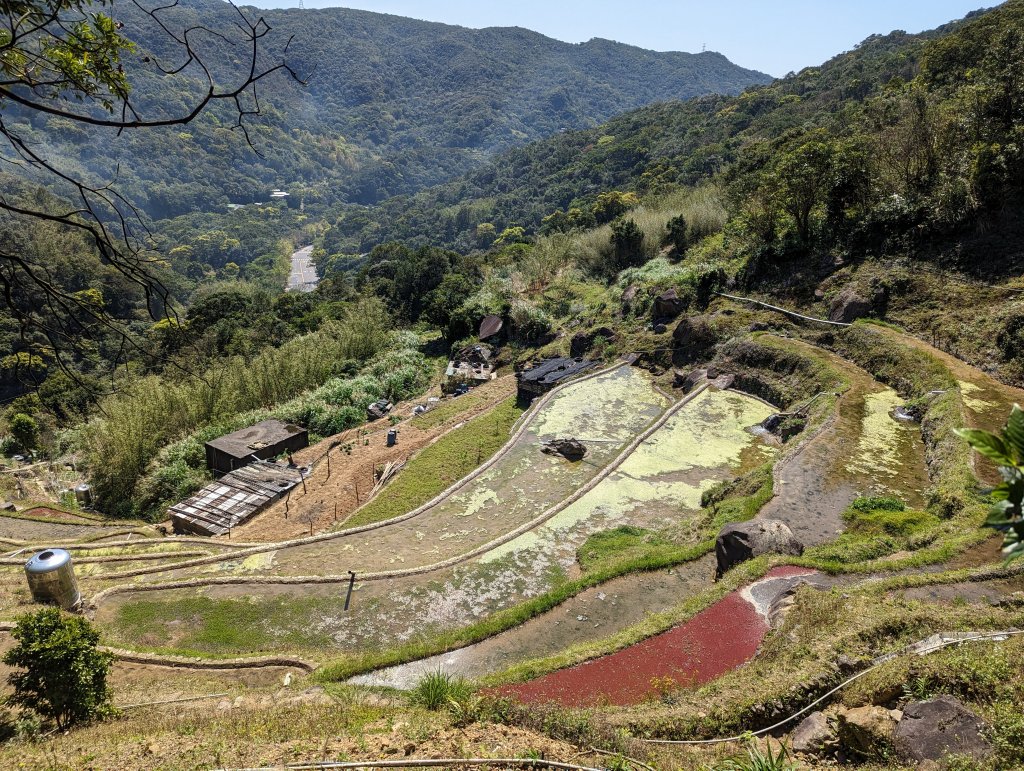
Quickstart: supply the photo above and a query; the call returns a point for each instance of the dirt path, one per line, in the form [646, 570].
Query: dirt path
[326, 498]
[862, 451]
[34, 530]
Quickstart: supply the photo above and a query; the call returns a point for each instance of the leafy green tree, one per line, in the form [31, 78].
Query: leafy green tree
[613, 204]
[511, 235]
[25, 431]
[802, 178]
[1006, 449]
[677, 235]
[62, 673]
[485, 234]
[442, 304]
[627, 241]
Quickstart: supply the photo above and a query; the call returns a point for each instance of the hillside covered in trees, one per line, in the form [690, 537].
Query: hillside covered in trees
[387, 105]
[926, 117]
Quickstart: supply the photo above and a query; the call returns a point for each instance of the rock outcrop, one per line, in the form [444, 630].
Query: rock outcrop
[570, 449]
[668, 305]
[851, 304]
[931, 729]
[694, 337]
[867, 731]
[814, 735]
[688, 380]
[582, 341]
[741, 541]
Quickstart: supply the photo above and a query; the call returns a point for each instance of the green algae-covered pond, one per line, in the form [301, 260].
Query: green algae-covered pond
[707, 440]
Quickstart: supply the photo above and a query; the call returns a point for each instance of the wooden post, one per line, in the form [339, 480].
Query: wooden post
[287, 503]
[351, 585]
[335, 511]
[303, 483]
[328, 464]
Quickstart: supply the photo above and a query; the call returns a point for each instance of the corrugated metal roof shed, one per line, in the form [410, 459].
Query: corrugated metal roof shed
[549, 373]
[233, 499]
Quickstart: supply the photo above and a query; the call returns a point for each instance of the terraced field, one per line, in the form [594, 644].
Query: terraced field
[511, 534]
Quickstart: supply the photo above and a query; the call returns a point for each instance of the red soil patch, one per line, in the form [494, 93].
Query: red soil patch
[45, 512]
[715, 641]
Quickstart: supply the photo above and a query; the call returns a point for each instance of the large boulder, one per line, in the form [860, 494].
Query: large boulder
[941, 726]
[851, 304]
[688, 380]
[570, 449]
[867, 731]
[579, 344]
[814, 735]
[741, 541]
[694, 337]
[668, 304]
[628, 296]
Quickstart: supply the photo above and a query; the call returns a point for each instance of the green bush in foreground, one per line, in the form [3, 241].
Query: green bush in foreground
[64, 674]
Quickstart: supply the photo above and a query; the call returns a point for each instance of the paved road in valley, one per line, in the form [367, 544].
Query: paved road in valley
[303, 276]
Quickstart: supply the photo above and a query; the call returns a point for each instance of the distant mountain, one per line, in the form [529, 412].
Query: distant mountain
[661, 147]
[392, 105]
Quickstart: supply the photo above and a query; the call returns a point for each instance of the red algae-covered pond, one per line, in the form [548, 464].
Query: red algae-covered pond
[715, 641]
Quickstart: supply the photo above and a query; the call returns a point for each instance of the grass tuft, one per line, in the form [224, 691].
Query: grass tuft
[440, 690]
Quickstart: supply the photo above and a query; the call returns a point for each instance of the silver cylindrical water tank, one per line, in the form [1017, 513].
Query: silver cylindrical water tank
[51, 578]
[83, 494]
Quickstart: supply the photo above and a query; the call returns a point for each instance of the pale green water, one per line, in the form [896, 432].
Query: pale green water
[664, 478]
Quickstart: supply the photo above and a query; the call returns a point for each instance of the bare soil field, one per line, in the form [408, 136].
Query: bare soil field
[332, 494]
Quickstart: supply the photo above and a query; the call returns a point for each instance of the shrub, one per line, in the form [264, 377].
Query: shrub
[437, 690]
[878, 503]
[64, 675]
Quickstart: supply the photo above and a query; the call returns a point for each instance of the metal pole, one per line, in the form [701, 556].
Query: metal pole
[351, 585]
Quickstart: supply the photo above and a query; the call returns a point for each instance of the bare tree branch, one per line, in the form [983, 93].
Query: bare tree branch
[37, 82]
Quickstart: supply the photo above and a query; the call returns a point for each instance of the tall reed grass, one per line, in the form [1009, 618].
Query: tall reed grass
[149, 412]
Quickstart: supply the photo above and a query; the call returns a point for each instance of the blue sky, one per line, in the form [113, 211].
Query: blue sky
[774, 36]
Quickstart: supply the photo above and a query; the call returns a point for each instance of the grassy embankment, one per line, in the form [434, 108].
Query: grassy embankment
[440, 465]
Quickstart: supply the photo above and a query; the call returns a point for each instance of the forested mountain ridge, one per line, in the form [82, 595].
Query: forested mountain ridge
[652, 149]
[390, 105]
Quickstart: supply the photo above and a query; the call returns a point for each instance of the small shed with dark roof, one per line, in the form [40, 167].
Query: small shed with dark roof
[266, 439]
[545, 375]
